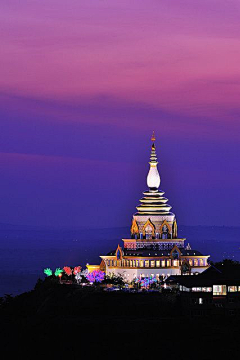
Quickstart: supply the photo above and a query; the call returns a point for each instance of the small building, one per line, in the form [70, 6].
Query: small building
[212, 293]
[154, 248]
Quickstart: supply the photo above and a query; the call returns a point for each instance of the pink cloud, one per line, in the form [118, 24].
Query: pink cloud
[167, 55]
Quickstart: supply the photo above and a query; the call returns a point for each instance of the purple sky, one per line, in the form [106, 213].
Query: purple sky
[82, 86]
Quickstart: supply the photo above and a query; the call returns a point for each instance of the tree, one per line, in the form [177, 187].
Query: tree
[96, 276]
[48, 272]
[228, 267]
[114, 280]
[58, 272]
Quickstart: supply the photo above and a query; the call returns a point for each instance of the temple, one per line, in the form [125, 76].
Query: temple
[153, 248]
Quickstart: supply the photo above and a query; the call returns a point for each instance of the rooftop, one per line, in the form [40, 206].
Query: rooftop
[152, 253]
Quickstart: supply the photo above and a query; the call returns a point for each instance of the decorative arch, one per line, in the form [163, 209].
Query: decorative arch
[174, 250]
[103, 266]
[168, 226]
[185, 268]
[148, 223]
[119, 253]
[134, 227]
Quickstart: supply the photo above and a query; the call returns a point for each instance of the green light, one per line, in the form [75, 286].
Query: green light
[58, 271]
[47, 271]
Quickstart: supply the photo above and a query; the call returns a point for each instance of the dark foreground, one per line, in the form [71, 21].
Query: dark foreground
[62, 321]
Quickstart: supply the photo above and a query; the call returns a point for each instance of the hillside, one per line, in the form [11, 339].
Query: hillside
[65, 321]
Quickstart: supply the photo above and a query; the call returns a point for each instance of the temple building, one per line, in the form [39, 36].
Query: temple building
[153, 248]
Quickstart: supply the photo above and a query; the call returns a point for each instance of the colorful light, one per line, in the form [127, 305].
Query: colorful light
[146, 282]
[77, 270]
[84, 272]
[67, 270]
[78, 277]
[95, 276]
[58, 272]
[47, 271]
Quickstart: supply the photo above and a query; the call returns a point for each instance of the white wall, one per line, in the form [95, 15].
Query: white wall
[130, 274]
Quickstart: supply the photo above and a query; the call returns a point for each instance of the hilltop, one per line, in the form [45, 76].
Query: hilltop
[69, 321]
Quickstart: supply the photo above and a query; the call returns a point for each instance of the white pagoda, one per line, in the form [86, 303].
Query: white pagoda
[154, 248]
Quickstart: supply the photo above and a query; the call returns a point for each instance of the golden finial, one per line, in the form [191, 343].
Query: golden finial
[153, 137]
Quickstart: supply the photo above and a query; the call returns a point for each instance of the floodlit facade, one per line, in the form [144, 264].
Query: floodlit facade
[153, 248]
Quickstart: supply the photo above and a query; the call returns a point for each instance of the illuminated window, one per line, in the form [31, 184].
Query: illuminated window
[153, 263]
[206, 289]
[141, 263]
[168, 263]
[137, 263]
[130, 263]
[146, 263]
[219, 289]
[196, 289]
[158, 263]
[190, 262]
[163, 263]
[200, 301]
[133, 263]
[175, 262]
[232, 289]
[195, 262]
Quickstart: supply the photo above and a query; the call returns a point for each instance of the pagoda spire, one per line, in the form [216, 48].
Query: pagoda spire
[153, 178]
[153, 203]
[153, 136]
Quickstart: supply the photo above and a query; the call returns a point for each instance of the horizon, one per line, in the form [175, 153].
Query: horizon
[102, 228]
[26, 251]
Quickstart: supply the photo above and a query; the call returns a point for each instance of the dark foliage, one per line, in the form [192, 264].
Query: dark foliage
[67, 321]
[114, 280]
[228, 267]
